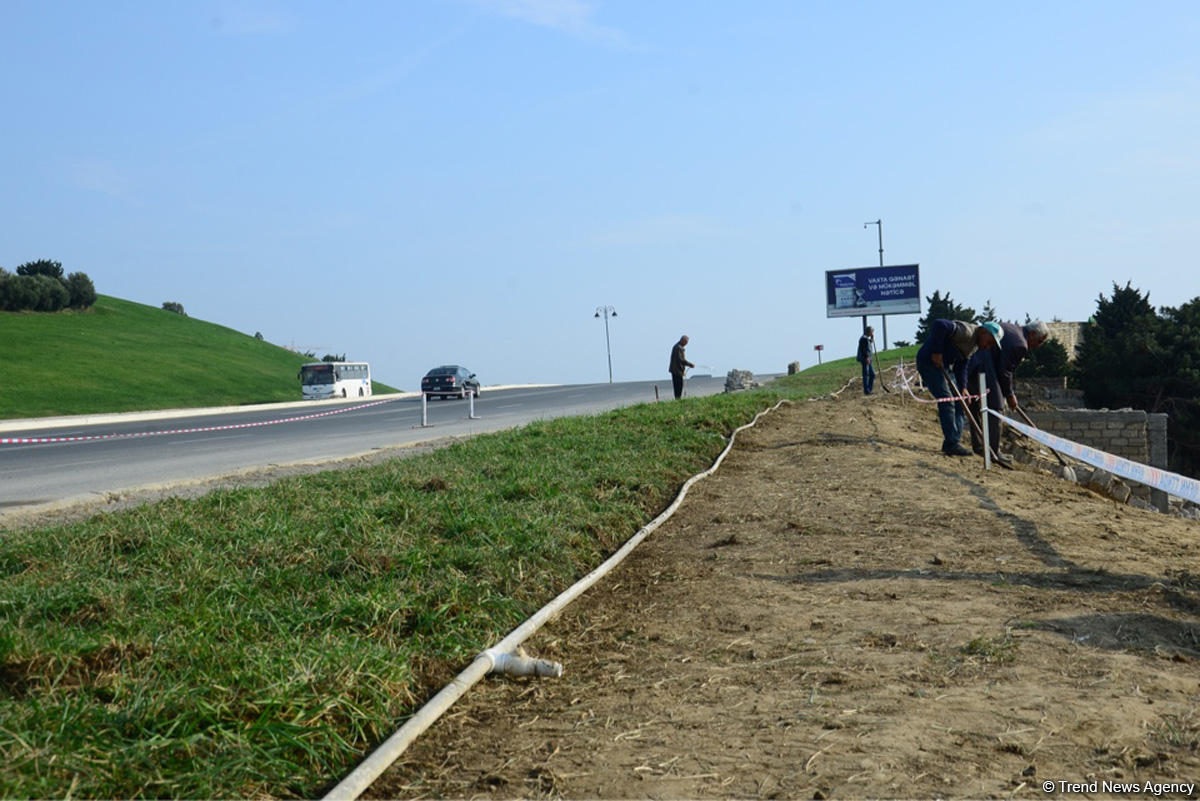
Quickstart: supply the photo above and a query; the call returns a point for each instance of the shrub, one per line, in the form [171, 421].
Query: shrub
[81, 290]
[49, 293]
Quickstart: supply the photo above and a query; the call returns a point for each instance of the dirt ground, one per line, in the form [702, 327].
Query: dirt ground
[843, 612]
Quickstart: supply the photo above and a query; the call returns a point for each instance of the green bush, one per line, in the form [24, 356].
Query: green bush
[40, 286]
[20, 292]
[81, 290]
[50, 293]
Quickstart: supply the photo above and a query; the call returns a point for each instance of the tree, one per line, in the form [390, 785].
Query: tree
[333, 357]
[941, 308]
[1180, 342]
[172, 306]
[1048, 360]
[988, 314]
[53, 269]
[1120, 362]
[1131, 356]
[81, 290]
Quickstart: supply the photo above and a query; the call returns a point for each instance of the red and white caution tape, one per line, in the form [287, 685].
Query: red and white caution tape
[86, 438]
[906, 381]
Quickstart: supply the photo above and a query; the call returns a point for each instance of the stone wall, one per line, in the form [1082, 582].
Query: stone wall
[1130, 433]
[1069, 334]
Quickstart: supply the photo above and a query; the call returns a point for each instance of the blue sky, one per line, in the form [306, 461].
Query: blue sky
[416, 182]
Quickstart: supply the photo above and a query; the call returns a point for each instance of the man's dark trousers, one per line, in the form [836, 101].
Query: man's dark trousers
[677, 383]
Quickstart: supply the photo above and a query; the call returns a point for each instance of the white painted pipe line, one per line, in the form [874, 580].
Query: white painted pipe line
[390, 750]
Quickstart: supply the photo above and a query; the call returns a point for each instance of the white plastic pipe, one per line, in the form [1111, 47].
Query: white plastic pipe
[390, 750]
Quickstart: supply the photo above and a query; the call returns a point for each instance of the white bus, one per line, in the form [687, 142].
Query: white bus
[320, 380]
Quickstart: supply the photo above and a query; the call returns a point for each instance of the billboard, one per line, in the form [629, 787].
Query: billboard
[873, 290]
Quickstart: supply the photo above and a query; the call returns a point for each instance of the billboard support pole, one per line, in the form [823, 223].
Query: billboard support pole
[878, 223]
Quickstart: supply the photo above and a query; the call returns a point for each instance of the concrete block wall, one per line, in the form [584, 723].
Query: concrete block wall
[1130, 433]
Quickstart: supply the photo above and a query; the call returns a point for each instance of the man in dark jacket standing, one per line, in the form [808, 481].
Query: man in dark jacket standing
[947, 348]
[679, 365]
[864, 357]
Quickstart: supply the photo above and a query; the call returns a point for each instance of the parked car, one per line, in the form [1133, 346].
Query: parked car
[449, 380]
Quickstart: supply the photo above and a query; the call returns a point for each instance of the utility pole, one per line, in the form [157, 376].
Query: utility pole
[878, 223]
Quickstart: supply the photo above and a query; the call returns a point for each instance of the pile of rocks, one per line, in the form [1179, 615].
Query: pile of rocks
[739, 379]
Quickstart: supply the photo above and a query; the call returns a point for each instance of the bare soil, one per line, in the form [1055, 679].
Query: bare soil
[843, 612]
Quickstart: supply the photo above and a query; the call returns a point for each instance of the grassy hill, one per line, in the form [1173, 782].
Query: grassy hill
[121, 356]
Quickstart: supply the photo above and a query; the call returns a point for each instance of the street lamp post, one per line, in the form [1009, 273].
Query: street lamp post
[879, 223]
[606, 312]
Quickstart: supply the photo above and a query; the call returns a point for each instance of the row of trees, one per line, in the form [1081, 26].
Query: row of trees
[41, 286]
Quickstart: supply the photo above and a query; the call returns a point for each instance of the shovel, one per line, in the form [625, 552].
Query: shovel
[879, 369]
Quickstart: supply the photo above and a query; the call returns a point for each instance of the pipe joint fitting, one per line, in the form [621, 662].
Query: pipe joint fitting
[517, 665]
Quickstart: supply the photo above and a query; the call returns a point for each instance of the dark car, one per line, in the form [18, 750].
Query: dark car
[449, 379]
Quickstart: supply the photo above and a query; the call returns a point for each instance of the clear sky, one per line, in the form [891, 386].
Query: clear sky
[416, 182]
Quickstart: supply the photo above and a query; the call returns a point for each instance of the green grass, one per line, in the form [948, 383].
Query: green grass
[122, 356]
[259, 642]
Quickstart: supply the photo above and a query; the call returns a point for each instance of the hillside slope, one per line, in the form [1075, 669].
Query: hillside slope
[843, 612]
[123, 356]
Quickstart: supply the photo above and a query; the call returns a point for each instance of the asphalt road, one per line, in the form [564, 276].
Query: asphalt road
[144, 450]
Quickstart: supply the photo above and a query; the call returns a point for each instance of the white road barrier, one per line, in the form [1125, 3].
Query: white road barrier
[88, 438]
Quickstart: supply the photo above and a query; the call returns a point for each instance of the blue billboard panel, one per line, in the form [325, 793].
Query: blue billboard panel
[873, 290]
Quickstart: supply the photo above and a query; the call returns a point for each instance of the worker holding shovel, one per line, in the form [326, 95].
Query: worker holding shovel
[948, 346]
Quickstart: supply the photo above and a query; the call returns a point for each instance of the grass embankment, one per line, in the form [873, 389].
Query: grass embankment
[120, 356]
[259, 642]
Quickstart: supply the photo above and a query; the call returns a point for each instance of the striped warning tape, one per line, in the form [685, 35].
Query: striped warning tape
[85, 438]
[1168, 482]
[906, 381]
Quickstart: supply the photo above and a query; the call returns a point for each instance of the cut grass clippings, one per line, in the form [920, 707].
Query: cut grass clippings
[259, 642]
